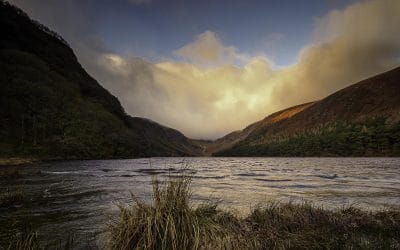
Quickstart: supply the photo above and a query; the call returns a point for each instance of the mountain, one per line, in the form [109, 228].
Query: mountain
[360, 120]
[50, 107]
[164, 141]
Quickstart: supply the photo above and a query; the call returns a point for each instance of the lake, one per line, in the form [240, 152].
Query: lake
[80, 197]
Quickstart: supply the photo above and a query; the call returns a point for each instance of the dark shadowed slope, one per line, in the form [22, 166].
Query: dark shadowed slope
[50, 107]
[162, 140]
[362, 119]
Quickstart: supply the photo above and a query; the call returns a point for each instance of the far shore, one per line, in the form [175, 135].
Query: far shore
[21, 161]
[16, 161]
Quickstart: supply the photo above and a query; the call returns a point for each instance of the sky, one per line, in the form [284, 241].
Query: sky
[211, 67]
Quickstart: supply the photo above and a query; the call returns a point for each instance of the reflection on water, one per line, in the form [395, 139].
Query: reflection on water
[80, 196]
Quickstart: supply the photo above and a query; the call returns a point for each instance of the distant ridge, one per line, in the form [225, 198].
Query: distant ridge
[369, 110]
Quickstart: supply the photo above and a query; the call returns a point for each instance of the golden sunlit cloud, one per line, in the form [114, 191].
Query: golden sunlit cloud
[208, 49]
[208, 102]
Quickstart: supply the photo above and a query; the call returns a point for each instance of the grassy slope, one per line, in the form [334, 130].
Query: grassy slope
[368, 112]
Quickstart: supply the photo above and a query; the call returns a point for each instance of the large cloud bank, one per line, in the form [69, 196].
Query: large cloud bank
[214, 88]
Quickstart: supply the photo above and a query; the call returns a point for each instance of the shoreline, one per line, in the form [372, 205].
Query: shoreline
[16, 161]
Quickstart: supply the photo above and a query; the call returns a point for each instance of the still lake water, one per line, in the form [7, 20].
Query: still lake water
[80, 197]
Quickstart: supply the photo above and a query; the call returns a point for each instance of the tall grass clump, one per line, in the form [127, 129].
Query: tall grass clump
[167, 223]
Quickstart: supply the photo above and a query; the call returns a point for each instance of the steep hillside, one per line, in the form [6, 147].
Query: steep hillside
[51, 108]
[362, 119]
[229, 140]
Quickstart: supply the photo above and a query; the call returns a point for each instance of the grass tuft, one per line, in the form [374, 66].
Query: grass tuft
[25, 241]
[167, 223]
[10, 198]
